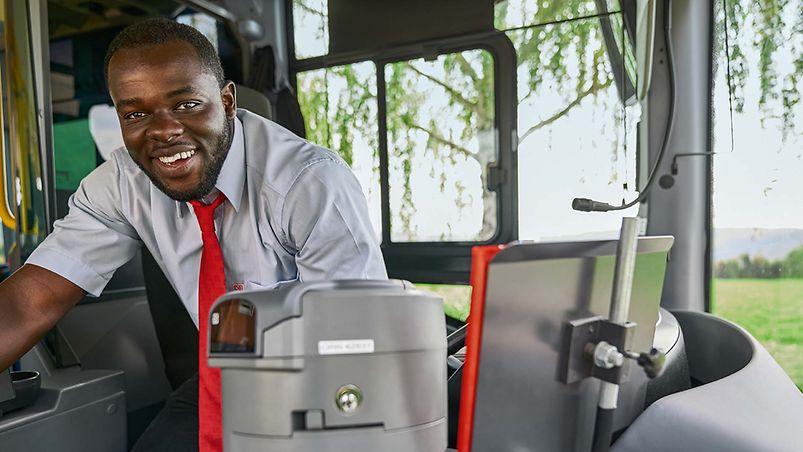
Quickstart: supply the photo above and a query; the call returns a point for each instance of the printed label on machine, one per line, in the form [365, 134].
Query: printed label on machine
[347, 347]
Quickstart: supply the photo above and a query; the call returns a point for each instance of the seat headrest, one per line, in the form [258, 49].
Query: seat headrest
[253, 101]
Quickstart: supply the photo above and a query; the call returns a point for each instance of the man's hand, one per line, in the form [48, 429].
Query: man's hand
[32, 300]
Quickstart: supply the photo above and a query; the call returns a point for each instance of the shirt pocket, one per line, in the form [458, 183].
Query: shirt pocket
[251, 285]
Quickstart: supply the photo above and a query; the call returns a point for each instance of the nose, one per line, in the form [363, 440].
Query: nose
[164, 127]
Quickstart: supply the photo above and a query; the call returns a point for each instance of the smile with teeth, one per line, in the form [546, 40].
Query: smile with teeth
[177, 156]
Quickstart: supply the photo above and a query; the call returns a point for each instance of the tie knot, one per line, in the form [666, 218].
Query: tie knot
[206, 212]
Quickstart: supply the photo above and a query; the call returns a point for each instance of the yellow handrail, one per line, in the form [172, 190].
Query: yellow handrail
[6, 213]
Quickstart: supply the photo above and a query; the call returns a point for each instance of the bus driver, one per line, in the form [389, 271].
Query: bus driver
[221, 197]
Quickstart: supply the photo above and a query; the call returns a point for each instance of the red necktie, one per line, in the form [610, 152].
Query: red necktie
[211, 285]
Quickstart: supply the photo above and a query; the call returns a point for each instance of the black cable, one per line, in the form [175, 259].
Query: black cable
[603, 433]
[589, 205]
[624, 101]
[728, 69]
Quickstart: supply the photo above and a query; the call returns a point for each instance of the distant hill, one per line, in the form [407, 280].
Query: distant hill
[728, 242]
[770, 243]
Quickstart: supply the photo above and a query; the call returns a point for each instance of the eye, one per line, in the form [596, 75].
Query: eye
[134, 115]
[187, 105]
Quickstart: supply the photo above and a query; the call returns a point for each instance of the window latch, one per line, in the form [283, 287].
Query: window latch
[496, 177]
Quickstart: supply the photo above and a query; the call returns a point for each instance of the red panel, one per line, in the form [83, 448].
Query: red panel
[480, 258]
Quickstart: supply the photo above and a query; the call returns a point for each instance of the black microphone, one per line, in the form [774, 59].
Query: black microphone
[589, 205]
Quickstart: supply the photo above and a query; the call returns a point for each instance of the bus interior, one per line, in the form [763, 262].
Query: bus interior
[536, 129]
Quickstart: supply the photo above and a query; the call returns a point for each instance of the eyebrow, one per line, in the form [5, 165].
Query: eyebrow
[128, 102]
[138, 100]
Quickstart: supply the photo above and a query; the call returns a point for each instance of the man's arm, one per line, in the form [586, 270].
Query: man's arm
[32, 300]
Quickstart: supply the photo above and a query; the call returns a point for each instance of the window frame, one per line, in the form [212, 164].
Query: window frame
[429, 261]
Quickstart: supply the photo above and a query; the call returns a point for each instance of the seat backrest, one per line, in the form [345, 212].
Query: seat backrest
[286, 110]
[178, 337]
[253, 101]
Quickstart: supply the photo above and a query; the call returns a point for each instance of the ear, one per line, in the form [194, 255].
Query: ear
[228, 94]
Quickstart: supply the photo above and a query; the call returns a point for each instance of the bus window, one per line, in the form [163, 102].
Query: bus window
[511, 14]
[311, 28]
[757, 268]
[441, 125]
[441, 137]
[576, 138]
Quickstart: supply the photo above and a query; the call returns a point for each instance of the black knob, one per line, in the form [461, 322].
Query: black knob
[652, 362]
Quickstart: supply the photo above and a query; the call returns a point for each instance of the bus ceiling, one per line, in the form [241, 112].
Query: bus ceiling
[69, 17]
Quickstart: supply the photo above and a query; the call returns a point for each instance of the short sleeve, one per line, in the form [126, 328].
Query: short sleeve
[94, 239]
[325, 217]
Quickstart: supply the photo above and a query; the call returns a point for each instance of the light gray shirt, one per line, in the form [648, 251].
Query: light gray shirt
[294, 211]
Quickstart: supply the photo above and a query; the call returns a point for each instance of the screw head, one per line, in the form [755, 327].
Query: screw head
[348, 398]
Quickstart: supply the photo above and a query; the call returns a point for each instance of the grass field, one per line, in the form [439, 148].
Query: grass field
[772, 311]
[456, 299]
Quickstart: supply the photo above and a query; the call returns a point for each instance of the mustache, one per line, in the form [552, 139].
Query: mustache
[162, 146]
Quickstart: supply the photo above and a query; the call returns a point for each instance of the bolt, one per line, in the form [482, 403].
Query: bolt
[348, 399]
[606, 356]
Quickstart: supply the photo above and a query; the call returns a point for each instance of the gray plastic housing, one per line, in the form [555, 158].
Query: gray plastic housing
[6, 388]
[76, 411]
[384, 337]
[745, 401]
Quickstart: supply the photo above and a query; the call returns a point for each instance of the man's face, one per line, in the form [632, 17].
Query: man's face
[176, 121]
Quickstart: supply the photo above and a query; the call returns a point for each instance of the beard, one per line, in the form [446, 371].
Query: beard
[210, 171]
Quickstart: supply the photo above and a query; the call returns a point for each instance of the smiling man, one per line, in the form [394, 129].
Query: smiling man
[176, 114]
[222, 198]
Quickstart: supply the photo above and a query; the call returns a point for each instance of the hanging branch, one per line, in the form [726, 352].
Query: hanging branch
[310, 9]
[454, 93]
[593, 90]
[466, 68]
[444, 141]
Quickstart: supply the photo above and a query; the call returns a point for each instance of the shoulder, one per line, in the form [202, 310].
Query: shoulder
[108, 173]
[114, 182]
[278, 157]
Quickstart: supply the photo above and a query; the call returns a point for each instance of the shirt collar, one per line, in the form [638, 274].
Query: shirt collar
[231, 180]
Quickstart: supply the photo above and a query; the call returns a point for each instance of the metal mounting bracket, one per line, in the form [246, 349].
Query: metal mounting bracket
[579, 338]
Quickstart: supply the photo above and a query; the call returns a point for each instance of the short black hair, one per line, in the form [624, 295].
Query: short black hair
[159, 30]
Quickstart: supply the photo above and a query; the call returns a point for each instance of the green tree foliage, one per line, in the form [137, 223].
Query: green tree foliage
[762, 26]
[793, 264]
[746, 266]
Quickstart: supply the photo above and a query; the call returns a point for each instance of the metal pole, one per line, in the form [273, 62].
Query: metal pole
[620, 306]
